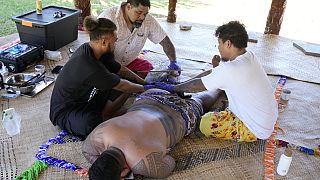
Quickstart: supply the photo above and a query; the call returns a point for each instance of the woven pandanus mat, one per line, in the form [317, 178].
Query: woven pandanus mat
[197, 157]
[278, 55]
[301, 117]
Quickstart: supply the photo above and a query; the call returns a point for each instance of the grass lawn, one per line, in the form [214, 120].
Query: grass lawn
[11, 8]
[300, 20]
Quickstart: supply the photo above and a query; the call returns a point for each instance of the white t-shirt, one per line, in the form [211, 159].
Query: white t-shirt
[129, 44]
[250, 94]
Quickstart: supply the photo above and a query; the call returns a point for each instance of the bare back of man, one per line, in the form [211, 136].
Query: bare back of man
[144, 134]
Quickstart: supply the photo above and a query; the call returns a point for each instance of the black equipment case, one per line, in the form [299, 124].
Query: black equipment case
[19, 56]
[53, 29]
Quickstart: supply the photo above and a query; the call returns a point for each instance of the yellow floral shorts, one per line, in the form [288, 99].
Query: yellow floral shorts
[225, 125]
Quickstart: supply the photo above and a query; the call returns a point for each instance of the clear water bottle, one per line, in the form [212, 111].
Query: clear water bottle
[11, 121]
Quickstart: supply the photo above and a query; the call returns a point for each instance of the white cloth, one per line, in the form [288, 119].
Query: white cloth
[250, 94]
[129, 44]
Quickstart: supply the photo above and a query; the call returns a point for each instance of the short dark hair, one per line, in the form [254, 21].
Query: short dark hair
[136, 3]
[98, 28]
[108, 165]
[235, 32]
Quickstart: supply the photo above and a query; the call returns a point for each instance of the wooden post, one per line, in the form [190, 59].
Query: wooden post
[85, 7]
[275, 17]
[172, 11]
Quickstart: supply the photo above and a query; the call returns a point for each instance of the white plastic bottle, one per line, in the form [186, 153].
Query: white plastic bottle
[284, 162]
[11, 121]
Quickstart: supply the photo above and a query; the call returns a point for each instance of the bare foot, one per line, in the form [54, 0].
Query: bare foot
[225, 104]
[222, 107]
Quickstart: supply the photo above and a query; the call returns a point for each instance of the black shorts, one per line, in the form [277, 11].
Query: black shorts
[80, 120]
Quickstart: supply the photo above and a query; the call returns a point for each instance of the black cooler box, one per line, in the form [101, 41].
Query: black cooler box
[53, 29]
[18, 57]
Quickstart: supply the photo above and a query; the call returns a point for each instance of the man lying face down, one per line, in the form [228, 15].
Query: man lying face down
[140, 139]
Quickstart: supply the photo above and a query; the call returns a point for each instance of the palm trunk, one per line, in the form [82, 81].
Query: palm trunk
[275, 17]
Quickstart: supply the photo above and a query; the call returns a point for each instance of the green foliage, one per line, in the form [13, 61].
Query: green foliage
[32, 173]
[11, 8]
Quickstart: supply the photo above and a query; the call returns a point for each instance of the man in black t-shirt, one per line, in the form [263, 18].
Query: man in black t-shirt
[89, 88]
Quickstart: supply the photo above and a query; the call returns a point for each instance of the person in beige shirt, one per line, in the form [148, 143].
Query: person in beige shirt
[134, 27]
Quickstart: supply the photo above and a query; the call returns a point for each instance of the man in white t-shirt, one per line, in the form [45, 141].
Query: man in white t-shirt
[134, 27]
[252, 110]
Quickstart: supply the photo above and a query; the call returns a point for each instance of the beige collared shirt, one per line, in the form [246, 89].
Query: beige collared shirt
[129, 44]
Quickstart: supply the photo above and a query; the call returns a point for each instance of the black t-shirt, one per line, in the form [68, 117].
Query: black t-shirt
[80, 78]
